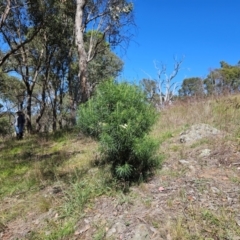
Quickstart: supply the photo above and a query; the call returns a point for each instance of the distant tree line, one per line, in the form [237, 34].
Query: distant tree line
[223, 80]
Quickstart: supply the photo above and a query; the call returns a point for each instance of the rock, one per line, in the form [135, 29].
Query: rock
[141, 233]
[196, 132]
[56, 189]
[117, 228]
[215, 190]
[192, 168]
[183, 162]
[48, 233]
[205, 153]
[93, 171]
[169, 237]
[165, 168]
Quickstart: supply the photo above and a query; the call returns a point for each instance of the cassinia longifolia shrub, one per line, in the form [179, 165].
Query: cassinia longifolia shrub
[119, 116]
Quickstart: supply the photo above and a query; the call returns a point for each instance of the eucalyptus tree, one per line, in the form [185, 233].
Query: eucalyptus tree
[193, 86]
[11, 98]
[225, 79]
[112, 18]
[34, 62]
[151, 90]
[20, 25]
[38, 46]
[105, 65]
[57, 89]
[28, 64]
[12, 92]
[58, 42]
[213, 83]
[5, 8]
[230, 76]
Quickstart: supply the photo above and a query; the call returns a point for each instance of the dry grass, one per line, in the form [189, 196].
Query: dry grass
[222, 113]
[195, 221]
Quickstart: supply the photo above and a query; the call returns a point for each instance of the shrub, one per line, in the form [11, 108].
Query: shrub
[120, 117]
[5, 127]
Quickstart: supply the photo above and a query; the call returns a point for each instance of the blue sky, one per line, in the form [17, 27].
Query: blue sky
[205, 32]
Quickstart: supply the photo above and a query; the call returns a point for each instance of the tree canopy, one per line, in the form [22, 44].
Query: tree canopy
[39, 55]
[192, 87]
[225, 79]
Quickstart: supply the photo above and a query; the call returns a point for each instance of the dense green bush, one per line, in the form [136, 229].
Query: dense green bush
[5, 127]
[120, 117]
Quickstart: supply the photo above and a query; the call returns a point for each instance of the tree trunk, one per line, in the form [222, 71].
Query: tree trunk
[54, 112]
[29, 111]
[60, 108]
[38, 125]
[79, 32]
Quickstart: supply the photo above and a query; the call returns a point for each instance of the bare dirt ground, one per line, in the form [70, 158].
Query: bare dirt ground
[195, 192]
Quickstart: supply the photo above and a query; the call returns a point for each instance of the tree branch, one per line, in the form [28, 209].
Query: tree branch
[13, 50]
[5, 13]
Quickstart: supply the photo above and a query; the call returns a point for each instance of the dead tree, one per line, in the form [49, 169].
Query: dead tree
[165, 85]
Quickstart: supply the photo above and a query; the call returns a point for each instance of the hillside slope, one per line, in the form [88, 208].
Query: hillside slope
[51, 188]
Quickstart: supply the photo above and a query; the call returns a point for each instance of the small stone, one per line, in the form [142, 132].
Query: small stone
[116, 228]
[36, 222]
[86, 220]
[141, 233]
[183, 162]
[192, 168]
[56, 190]
[215, 190]
[47, 233]
[205, 153]
[237, 221]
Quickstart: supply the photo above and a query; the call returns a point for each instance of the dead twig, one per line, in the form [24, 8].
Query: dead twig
[142, 220]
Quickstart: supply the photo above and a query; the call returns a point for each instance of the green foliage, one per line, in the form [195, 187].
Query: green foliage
[105, 65]
[11, 88]
[223, 79]
[120, 117]
[124, 171]
[5, 127]
[192, 87]
[151, 90]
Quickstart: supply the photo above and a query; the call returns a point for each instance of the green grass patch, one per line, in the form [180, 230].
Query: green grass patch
[165, 136]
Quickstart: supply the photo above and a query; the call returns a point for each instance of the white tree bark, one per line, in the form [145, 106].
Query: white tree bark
[79, 34]
[104, 19]
[166, 86]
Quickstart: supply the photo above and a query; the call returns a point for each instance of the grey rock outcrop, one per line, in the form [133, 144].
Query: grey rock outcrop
[197, 132]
